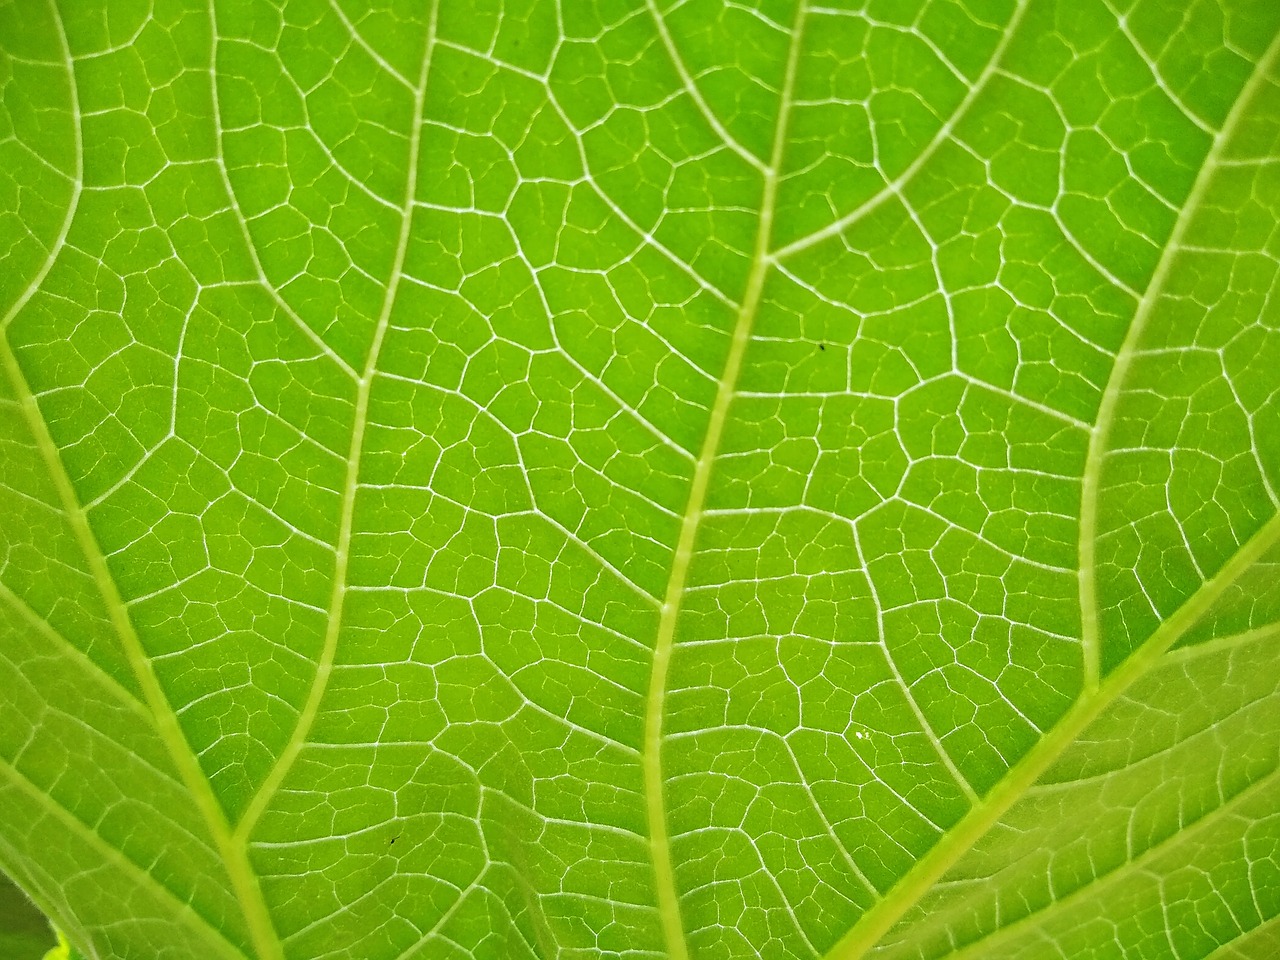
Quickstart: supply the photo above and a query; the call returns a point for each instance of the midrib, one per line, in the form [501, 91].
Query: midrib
[1091, 479]
[1099, 693]
[182, 911]
[961, 838]
[1230, 807]
[244, 883]
[673, 597]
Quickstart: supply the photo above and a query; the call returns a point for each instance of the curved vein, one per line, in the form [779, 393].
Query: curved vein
[1091, 481]
[162, 716]
[894, 186]
[184, 911]
[77, 181]
[984, 946]
[917, 881]
[220, 162]
[673, 597]
[908, 891]
[700, 102]
[324, 668]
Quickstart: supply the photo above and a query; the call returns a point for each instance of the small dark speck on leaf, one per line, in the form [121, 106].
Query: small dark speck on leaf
[822, 346]
[395, 838]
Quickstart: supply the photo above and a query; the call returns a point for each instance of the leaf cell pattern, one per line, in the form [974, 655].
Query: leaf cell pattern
[703, 479]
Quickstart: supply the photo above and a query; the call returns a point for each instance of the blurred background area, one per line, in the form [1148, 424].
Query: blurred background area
[25, 934]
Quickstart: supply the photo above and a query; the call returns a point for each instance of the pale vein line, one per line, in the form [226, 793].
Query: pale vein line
[944, 756]
[1122, 22]
[691, 88]
[907, 892]
[182, 912]
[597, 381]
[70, 651]
[364, 45]
[324, 668]
[664, 641]
[1222, 644]
[1231, 950]
[77, 181]
[827, 825]
[219, 135]
[1091, 481]
[1083, 252]
[976, 949]
[893, 187]
[1059, 415]
[243, 881]
[916, 882]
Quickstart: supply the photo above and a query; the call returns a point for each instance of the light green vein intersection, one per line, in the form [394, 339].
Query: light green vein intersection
[232, 843]
[77, 183]
[311, 707]
[243, 880]
[1227, 806]
[234, 857]
[876, 922]
[182, 912]
[664, 643]
[764, 258]
[981, 948]
[69, 651]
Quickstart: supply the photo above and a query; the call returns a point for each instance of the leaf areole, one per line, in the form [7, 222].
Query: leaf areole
[418, 417]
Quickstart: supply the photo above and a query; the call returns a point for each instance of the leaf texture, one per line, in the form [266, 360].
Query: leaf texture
[701, 480]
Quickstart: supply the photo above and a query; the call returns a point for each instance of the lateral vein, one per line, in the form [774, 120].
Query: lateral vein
[916, 882]
[324, 668]
[664, 643]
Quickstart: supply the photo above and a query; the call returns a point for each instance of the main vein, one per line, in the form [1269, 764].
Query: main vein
[243, 881]
[673, 597]
[1230, 806]
[1101, 435]
[181, 912]
[1099, 693]
[337, 601]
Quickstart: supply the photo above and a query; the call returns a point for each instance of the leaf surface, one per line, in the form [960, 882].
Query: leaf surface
[701, 480]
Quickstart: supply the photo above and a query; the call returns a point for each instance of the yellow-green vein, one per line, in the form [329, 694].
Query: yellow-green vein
[77, 181]
[673, 596]
[180, 910]
[1090, 487]
[943, 135]
[242, 878]
[337, 602]
[244, 882]
[986, 945]
[919, 879]
[916, 882]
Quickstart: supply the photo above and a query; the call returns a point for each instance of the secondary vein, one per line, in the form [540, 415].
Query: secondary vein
[364, 388]
[165, 721]
[673, 597]
[913, 885]
[1091, 481]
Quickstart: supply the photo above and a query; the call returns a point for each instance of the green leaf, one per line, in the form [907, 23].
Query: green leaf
[690, 479]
